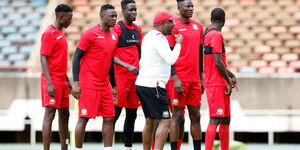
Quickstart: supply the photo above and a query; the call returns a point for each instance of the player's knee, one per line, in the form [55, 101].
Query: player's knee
[215, 120]
[108, 120]
[195, 117]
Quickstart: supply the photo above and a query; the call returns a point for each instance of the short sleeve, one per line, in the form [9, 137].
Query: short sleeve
[201, 33]
[47, 44]
[216, 42]
[140, 35]
[85, 41]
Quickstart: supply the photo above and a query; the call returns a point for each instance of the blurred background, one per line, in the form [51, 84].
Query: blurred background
[263, 48]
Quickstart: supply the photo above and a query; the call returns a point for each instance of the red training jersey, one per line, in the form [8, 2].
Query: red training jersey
[213, 40]
[187, 65]
[128, 54]
[54, 45]
[99, 49]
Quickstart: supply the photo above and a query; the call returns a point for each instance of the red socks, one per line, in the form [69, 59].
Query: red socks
[224, 136]
[179, 142]
[152, 145]
[210, 136]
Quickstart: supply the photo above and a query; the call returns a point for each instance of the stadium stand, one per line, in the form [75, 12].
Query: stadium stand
[19, 22]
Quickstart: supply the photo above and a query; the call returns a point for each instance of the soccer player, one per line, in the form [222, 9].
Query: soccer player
[130, 38]
[91, 64]
[155, 68]
[219, 81]
[55, 83]
[187, 81]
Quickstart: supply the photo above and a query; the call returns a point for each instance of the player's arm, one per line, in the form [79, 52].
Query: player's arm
[76, 69]
[112, 78]
[45, 67]
[69, 85]
[201, 68]
[223, 71]
[130, 68]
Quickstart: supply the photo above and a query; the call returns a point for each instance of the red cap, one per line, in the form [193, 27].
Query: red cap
[162, 16]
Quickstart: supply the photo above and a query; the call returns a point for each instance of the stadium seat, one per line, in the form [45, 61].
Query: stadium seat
[20, 22]
[33, 16]
[14, 16]
[25, 49]
[1, 57]
[31, 36]
[9, 49]
[8, 29]
[18, 2]
[4, 22]
[14, 36]
[17, 56]
[27, 29]
[7, 9]
[25, 10]
[20, 63]
[37, 2]
[36, 22]
[4, 63]
[41, 9]
[247, 70]
[4, 2]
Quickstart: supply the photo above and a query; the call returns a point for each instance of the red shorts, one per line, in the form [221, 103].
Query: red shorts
[61, 99]
[127, 96]
[218, 101]
[191, 94]
[93, 103]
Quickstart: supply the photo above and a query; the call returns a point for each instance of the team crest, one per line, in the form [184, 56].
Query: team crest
[195, 27]
[220, 111]
[83, 112]
[52, 101]
[166, 114]
[175, 102]
[113, 37]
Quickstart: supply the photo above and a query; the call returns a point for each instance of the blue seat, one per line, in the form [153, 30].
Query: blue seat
[37, 22]
[4, 22]
[33, 16]
[17, 56]
[20, 22]
[9, 49]
[41, 9]
[21, 63]
[25, 10]
[1, 57]
[27, 29]
[14, 16]
[19, 2]
[247, 70]
[14, 37]
[7, 9]
[4, 2]
[30, 36]
[26, 49]
[4, 63]
[37, 2]
[4, 43]
[8, 29]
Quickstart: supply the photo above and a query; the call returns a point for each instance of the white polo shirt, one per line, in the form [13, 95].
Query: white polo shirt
[156, 60]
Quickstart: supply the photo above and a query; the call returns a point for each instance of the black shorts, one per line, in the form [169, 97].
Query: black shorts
[154, 102]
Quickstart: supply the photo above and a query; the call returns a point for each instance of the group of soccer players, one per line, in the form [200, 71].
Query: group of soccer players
[114, 67]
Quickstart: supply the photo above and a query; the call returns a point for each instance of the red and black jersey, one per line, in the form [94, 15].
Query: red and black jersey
[213, 42]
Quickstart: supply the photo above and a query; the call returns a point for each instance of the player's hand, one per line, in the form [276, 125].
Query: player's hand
[76, 91]
[51, 90]
[234, 83]
[178, 38]
[202, 88]
[133, 69]
[228, 89]
[115, 95]
[178, 85]
[69, 88]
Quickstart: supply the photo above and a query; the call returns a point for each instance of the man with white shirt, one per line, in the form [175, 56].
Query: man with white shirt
[155, 70]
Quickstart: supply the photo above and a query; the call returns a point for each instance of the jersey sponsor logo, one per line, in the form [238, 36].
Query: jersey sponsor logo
[52, 101]
[84, 112]
[166, 114]
[175, 102]
[113, 37]
[220, 111]
[132, 41]
[100, 37]
[59, 37]
[184, 29]
[195, 27]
